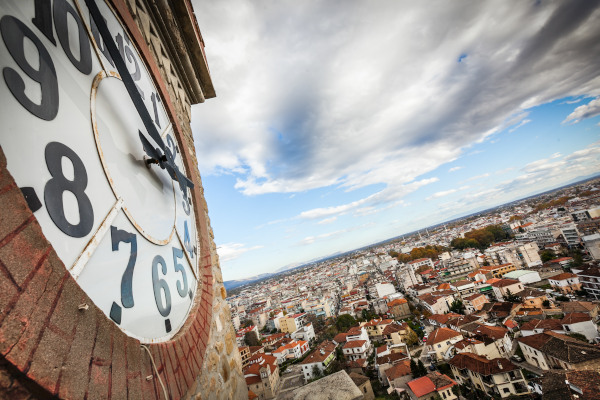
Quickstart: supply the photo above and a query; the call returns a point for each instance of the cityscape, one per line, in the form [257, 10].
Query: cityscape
[501, 304]
[283, 200]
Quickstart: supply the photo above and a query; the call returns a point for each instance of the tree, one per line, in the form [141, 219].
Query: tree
[344, 322]
[511, 298]
[414, 369]
[251, 339]
[318, 323]
[546, 303]
[246, 323]
[316, 372]
[457, 306]
[546, 255]
[421, 368]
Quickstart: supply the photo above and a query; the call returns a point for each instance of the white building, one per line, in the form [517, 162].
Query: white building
[384, 289]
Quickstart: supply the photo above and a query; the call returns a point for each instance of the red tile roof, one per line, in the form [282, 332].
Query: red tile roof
[354, 343]
[430, 383]
[398, 370]
[563, 276]
[482, 365]
[441, 335]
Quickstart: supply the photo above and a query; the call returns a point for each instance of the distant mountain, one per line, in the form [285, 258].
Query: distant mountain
[240, 282]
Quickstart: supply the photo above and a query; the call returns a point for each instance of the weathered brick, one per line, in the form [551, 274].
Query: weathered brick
[99, 383]
[66, 314]
[150, 387]
[23, 252]
[134, 365]
[119, 365]
[48, 360]
[15, 211]
[21, 329]
[77, 364]
[8, 292]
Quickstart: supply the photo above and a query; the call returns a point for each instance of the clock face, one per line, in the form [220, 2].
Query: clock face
[73, 136]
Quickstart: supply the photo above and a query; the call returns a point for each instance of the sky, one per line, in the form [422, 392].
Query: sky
[338, 124]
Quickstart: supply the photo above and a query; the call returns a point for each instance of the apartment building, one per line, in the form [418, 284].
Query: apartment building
[565, 282]
[262, 376]
[440, 341]
[590, 281]
[320, 358]
[355, 349]
[549, 350]
[495, 377]
[291, 323]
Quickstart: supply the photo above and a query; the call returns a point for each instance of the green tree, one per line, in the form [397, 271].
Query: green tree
[457, 306]
[512, 298]
[316, 373]
[246, 323]
[414, 369]
[421, 368]
[251, 339]
[344, 322]
[546, 255]
[546, 303]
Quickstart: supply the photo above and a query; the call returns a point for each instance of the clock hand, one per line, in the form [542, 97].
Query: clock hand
[124, 72]
[166, 160]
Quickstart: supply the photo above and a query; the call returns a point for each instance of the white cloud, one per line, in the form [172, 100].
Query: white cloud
[473, 178]
[454, 169]
[525, 121]
[441, 194]
[231, 251]
[327, 221]
[324, 95]
[388, 197]
[588, 110]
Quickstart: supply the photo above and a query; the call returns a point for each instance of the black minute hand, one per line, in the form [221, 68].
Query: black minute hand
[124, 72]
[165, 161]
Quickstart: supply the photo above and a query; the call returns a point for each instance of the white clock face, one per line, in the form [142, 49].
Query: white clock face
[71, 131]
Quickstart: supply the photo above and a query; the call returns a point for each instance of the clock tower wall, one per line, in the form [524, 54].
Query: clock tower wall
[54, 342]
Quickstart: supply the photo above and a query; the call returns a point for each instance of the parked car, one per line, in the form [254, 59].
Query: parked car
[432, 367]
[516, 358]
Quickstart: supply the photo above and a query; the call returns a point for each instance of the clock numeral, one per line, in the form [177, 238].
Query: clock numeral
[127, 52]
[160, 285]
[154, 97]
[62, 10]
[43, 19]
[14, 33]
[55, 187]
[182, 287]
[118, 236]
[187, 242]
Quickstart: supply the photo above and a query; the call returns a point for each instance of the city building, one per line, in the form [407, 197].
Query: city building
[399, 308]
[291, 323]
[565, 282]
[430, 385]
[440, 342]
[320, 359]
[495, 377]
[553, 350]
[262, 376]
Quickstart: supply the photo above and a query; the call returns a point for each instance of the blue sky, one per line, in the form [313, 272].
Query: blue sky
[337, 125]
